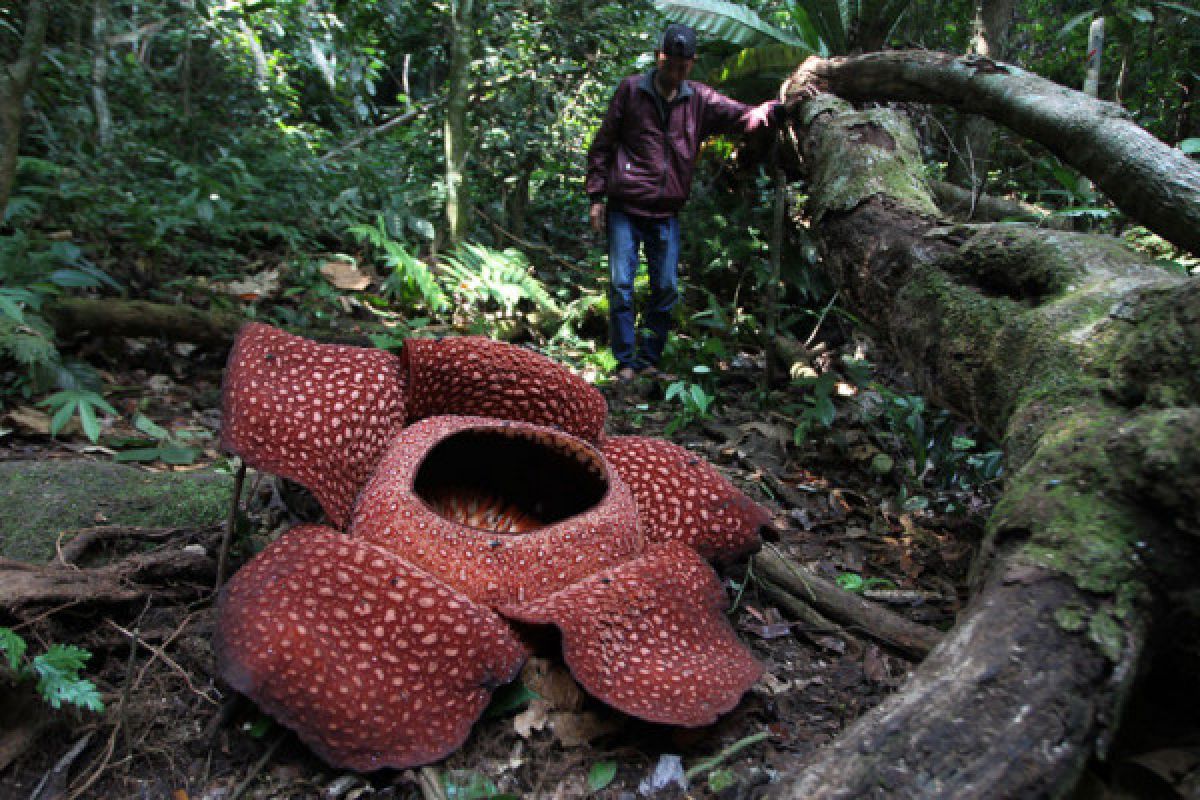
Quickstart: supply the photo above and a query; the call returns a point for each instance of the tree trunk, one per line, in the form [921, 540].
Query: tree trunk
[15, 80]
[971, 155]
[462, 33]
[100, 74]
[1079, 355]
[1154, 184]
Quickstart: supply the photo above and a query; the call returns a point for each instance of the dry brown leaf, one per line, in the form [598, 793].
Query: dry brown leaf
[573, 729]
[253, 287]
[27, 419]
[533, 718]
[345, 275]
[551, 682]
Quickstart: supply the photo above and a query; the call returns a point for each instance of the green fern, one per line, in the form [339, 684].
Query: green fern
[56, 671]
[409, 273]
[487, 279]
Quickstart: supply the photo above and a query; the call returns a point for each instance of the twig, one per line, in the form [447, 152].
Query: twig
[252, 775]
[230, 524]
[58, 772]
[170, 662]
[729, 752]
[821, 320]
[373, 132]
[431, 784]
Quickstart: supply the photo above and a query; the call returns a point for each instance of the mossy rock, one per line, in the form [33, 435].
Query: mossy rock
[41, 499]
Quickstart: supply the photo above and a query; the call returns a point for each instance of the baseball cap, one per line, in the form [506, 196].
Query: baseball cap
[678, 40]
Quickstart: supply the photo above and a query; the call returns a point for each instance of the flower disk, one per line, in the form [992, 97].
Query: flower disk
[472, 375]
[650, 637]
[587, 516]
[319, 414]
[371, 661]
[681, 497]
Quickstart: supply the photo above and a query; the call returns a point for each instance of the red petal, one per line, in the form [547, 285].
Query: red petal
[650, 637]
[539, 463]
[473, 375]
[371, 661]
[681, 497]
[319, 414]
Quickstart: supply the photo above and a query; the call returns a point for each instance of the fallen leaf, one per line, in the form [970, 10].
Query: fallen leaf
[573, 729]
[553, 684]
[345, 275]
[253, 287]
[534, 718]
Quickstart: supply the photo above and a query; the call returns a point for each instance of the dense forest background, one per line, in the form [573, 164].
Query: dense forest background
[365, 172]
[220, 154]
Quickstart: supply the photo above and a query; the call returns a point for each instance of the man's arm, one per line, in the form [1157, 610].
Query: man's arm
[724, 115]
[601, 153]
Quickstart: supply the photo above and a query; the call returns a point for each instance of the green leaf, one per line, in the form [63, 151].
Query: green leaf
[149, 427]
[13, 647]
[138, 454]
[58, 677]
[63, 415]
[824, 410]
[1180, 7]
[1190, 146]
[764, 60]
[601, 775]
[73, 279]
[850, 582]
[508, 699]
[91, 426]
[178, 454]
[1075, 21]
[732, 22]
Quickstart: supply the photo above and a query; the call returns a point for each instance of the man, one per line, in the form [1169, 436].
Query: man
[638, 177]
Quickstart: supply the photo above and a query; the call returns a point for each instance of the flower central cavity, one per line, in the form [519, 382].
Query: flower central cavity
[510, 481]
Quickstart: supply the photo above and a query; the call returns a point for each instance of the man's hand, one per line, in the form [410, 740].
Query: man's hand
[596, 212]
[761, 115]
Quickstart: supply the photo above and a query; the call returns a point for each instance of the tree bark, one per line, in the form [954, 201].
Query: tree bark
[1075, 352]
[114, 317]
[1154, 184]
[100, 74]
[462, 33]
[15, 80]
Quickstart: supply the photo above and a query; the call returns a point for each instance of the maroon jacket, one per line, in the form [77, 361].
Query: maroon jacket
[643, 155]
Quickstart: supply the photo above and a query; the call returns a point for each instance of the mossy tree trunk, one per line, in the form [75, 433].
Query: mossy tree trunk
[1083, 358]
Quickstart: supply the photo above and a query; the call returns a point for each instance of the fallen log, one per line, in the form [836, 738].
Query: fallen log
[1075, 352]
[877, 622]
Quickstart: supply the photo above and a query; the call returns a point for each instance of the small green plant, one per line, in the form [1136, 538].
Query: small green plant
[163, 445]
[56, 671]
[484, 279]
[818, 406]
[696, 404]
[410, 279]
[70, 402]
[857, 584]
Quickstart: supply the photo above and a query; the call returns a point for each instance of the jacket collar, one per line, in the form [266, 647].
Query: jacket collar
[646, 84]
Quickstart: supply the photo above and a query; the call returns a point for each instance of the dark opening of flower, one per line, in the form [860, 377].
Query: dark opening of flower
[510, 480]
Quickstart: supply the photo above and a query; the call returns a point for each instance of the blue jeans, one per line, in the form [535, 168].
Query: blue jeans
[659, 238]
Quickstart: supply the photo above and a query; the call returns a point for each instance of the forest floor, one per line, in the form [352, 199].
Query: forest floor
[171, 729]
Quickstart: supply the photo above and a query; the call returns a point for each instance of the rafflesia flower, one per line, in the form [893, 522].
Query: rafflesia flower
[469, 486]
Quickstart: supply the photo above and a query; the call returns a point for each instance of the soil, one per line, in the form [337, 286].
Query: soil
[171, 729]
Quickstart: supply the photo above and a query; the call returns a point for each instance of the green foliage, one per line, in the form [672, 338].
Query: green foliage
[410, 279]
[162, 445]
[857, 584]
[56, 672]
[818, 408]
[695, 404]
[484, 279]
[601, 775]
[70, 402]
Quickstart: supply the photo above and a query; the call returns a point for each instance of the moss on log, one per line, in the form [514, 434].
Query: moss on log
[1080, 355]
